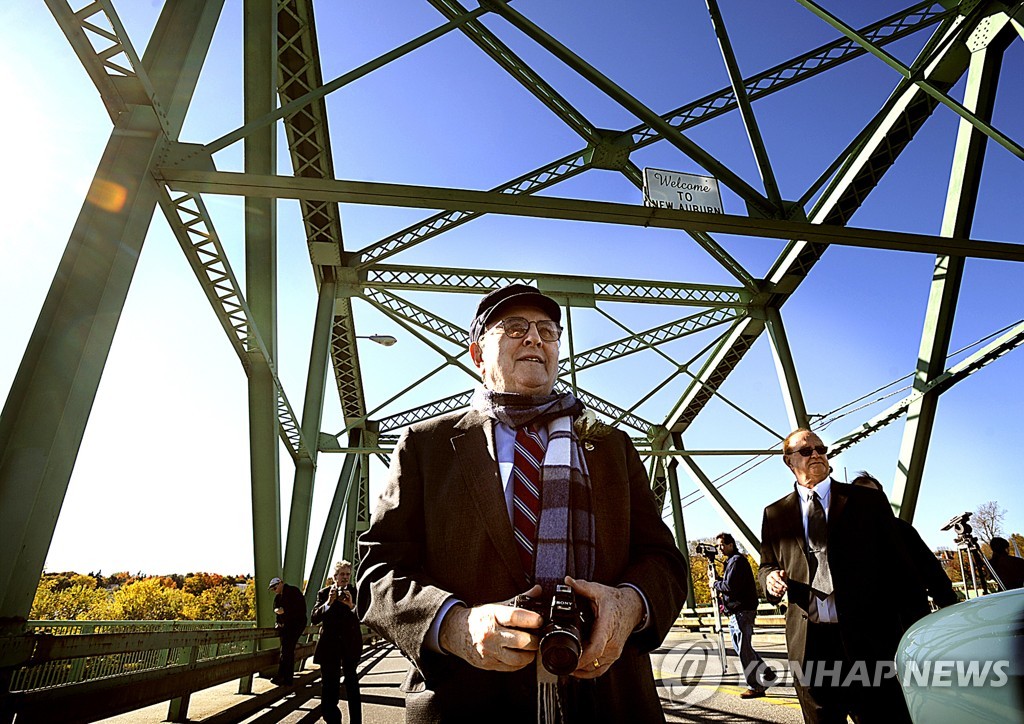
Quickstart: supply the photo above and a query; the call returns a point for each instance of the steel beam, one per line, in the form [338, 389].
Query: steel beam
[792, 397]
[961, 200]
[865, 163]
[587, 290]
[46, 411]
[1006, 342]
[732, 519]
[384, 194]
[312, 414]
[808, 65]
[764, 165]
[348, 478]
[680, 526]
[260, 217]
[192, 226]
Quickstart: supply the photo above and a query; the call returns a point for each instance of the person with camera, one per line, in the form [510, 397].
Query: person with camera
[520, 494]
[290, 609]
[339, 646]
[832, 549]
[737, 595]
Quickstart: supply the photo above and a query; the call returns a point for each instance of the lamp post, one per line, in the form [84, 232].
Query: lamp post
[385, 340]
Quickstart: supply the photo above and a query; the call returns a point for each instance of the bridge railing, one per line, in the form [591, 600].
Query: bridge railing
[694, 619]
[72, 671]
[85, 671]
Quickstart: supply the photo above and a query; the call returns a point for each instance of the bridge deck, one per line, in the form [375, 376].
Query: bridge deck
[684, 700]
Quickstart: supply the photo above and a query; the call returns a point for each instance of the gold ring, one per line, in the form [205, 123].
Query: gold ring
[597, 664]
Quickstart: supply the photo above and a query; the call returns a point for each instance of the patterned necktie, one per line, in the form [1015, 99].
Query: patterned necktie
[817, 534]
[529, 452]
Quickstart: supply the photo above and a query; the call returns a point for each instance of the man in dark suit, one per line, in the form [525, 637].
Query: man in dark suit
[290, 607]
[1010, 569]
[339, 646]
[451, 543]
[832, 548]
[927, 567]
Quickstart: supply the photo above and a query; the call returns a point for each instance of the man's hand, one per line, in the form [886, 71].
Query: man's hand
[617, 611]
[777, 585]
[494, 636]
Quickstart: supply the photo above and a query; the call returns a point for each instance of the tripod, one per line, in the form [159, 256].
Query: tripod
[712, 577]
[967, 542]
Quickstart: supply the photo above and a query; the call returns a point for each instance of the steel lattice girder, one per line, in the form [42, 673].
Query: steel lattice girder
[360, 275]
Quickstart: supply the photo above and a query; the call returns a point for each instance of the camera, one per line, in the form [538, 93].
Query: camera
[708, 550]
[561, 636]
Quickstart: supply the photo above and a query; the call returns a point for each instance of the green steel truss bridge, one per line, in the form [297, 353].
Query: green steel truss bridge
[411, 276]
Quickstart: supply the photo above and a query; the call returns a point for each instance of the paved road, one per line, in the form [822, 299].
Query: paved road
[691, 681]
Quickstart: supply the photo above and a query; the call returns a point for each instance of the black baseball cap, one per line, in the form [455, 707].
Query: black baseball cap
[513, 294]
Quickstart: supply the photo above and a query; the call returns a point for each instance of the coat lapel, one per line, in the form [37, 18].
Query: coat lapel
[473, 442]
[797, 568]
[836, 504]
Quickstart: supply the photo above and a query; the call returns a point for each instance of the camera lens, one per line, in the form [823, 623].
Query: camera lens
[560, 652]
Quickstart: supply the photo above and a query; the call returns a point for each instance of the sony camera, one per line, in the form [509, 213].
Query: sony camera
[565, 627]
[707, 550]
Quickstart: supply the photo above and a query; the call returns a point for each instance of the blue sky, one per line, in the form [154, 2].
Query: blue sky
[166, 448]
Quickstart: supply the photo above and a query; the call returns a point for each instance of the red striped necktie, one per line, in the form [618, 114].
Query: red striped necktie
[526, 487]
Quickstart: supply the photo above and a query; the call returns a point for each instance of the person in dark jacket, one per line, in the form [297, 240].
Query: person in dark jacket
[1010, 568]
[339, 646]
[926, 565]
[737, 592]
[290, 607]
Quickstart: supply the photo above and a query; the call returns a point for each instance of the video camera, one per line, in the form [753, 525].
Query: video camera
[960, 524]
[708, 550]
[565, 627]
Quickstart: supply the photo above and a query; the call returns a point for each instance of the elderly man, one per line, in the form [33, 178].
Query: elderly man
[339, 646]
[833, 549]
[290, 607]
[504, 499]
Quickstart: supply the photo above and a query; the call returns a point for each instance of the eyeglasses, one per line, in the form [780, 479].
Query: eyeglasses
[517, 327]
[805, 452]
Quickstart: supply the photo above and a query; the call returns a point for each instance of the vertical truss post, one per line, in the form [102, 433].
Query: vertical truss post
[785, 367]
[329, 537]
[680, 527]
[357, 516]
[46, 412]
[961, 200]
[260, 63]
[718, 501]
[312, 414]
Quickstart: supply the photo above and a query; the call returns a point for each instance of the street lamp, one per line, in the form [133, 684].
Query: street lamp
[382, 339]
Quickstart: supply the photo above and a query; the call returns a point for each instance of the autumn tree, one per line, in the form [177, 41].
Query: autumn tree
[55, 601]
[988, 520]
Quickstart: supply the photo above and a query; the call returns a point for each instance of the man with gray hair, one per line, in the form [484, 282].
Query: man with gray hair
[519, 494]
[339, 646]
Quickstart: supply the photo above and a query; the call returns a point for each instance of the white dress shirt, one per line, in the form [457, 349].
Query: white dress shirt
[820, 610]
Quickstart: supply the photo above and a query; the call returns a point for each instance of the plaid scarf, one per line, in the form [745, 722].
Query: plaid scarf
[565, 533]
